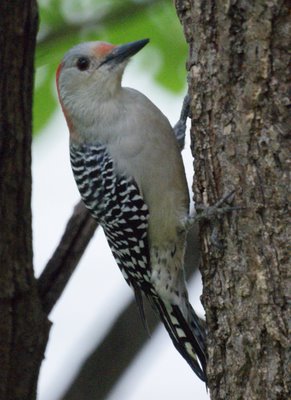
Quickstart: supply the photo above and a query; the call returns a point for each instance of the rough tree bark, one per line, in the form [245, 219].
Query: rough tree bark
[23, 325]
[238, 82]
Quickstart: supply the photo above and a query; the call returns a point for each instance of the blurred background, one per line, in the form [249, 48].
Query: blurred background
[97, 294]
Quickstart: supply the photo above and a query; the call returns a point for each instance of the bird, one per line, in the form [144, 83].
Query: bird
[128, 168]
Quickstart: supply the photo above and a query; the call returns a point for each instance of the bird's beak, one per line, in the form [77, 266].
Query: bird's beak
[124, 51]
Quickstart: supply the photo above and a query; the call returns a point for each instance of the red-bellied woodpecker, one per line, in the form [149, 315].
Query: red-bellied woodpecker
[128, 169]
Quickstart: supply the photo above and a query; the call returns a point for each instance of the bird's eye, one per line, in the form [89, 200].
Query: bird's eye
[83, 63]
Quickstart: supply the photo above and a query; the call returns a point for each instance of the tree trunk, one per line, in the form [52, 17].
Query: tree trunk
[23, 325]
[238, 83]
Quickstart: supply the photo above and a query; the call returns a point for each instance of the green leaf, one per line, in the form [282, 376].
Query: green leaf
[45, 102]
[169, 44]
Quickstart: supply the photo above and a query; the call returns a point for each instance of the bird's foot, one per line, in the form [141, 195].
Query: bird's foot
[180, 127]
[220, 208]
[211, 213]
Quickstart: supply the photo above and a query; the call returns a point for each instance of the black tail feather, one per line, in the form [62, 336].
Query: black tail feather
[187, 336]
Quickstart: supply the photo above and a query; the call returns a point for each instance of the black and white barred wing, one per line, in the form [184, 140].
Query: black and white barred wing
[114, 200]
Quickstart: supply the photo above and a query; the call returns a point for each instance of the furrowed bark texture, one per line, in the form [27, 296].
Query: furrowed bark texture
[23, 325]
[239, 78]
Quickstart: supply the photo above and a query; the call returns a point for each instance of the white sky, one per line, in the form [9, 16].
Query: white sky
[97, 285]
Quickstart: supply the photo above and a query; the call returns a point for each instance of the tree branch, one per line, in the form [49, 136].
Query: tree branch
[79, 230]
[104, 367]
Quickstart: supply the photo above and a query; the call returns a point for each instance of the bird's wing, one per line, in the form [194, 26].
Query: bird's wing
[116, 202]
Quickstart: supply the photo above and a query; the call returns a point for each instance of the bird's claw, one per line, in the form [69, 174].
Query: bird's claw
[210, 213]
[218, 209]
[180, 127]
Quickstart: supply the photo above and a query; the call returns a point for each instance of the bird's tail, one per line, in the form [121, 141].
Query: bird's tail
[187, 334]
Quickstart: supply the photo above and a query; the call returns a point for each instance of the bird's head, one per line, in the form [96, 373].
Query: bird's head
[92, 71]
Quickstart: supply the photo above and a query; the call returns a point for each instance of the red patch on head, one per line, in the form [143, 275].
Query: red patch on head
[58, 72]
[103, 48]
[66, 114]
